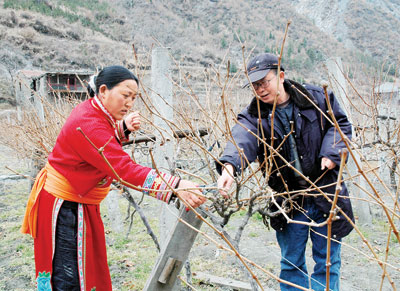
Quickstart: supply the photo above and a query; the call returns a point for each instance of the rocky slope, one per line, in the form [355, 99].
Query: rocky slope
[85, 35]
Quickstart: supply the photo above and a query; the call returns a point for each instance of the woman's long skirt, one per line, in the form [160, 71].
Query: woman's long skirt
[70, 247]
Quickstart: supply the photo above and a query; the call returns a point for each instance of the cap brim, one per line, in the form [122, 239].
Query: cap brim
[256, 76]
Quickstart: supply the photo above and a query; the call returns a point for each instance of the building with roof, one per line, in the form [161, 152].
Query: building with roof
[34, 86]
[388, 96]
[388, 90]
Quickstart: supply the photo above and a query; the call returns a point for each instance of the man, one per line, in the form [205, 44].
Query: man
[312, 148]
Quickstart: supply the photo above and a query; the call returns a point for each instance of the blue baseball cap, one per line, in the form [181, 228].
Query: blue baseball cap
[259, 66]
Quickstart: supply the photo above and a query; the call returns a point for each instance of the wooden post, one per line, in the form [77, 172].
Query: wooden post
[162, 90]
[338, 83]
[174, 253]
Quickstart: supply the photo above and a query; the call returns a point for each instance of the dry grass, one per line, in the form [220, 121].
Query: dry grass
[33, 137]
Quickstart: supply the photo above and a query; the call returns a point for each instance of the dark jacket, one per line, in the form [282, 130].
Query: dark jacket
[315, 138]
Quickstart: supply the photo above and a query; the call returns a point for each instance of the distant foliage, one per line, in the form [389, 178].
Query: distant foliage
[233, 68]
[45, 6]
[224, 43]
[290, 50]
[271, 36]
[314, 55]
[391, 69]
[70, 14]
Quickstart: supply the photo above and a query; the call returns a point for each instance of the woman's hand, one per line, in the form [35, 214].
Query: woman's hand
[191, 197]
[225, 181]
[132, 121]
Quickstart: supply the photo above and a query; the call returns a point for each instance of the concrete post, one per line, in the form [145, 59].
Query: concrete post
[162, 92]
[338, 83]
[38, 96]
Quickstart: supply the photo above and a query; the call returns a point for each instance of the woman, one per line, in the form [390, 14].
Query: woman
[63, 212]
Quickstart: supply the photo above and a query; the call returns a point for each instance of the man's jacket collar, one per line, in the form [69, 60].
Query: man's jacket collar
[295, 91]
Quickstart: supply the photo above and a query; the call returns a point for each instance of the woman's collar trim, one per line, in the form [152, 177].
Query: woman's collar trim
[97, 103]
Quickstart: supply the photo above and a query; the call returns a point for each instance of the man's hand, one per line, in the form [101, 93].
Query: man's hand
[191, 197]
[327, 163]
[225, 181]
[132, 121]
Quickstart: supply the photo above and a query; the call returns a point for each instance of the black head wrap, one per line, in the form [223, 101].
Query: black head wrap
[110, 76]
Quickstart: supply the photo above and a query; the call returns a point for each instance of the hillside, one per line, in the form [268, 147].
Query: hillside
[85, 35]
[30, 39]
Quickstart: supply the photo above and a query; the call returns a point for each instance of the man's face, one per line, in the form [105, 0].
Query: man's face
[268, 87]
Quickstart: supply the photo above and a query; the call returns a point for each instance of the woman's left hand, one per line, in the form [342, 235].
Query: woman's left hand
[132, 121]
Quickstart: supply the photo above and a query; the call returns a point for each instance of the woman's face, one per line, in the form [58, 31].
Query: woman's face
[120, 98]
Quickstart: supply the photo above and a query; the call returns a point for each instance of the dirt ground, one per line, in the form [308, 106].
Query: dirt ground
[358, 272]
[131, 258]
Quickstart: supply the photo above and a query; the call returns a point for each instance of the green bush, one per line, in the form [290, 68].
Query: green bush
[224, 44]
[271, 36]
[257, 216]
[290, 50]
[233, 68]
